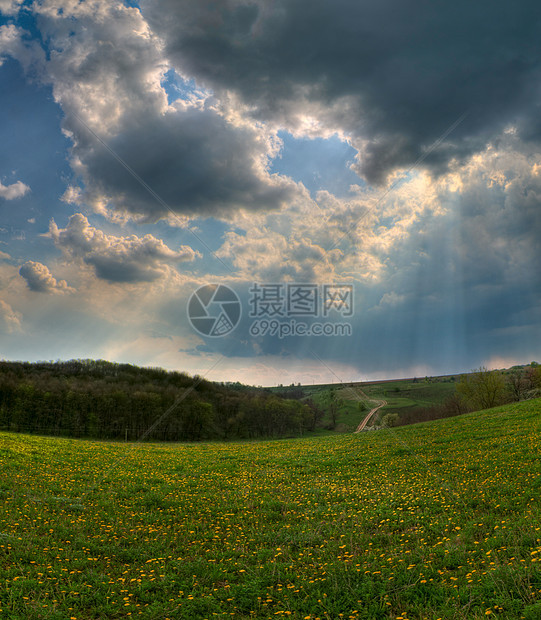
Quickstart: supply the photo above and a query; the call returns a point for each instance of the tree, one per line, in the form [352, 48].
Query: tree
[517, 384]
[316, 414]
[197, 418]
[483, 388]
[533, 376]
[334, 403]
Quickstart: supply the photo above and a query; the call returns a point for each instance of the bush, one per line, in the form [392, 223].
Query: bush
[390, 420]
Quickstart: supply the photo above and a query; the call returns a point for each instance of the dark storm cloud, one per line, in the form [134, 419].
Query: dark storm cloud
[105, 68]
[195, 161]
[405, 71]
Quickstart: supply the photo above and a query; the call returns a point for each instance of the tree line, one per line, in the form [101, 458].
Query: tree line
[480, 389]
[105, 400]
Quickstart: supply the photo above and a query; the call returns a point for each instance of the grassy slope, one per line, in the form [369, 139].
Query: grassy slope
[440, 520]
[401, 396]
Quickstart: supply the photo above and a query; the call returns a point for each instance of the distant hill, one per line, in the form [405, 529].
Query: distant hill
[417, 399]
[105, 400]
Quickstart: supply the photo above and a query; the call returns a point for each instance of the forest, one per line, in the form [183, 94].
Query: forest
[105, 400]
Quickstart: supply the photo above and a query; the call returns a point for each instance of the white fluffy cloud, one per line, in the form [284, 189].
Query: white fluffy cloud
[28, 53]
[39, 279]
[117, 259]
[266, 255]
[10, 320]
[333, 238]
[10, 7]
[15, 190]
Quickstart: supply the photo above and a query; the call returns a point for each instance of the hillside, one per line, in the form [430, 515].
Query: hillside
[437, 520]
[104, 400]
[414, 400]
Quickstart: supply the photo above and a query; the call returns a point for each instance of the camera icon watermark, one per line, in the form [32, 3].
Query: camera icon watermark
[276, 309]
[214, 310]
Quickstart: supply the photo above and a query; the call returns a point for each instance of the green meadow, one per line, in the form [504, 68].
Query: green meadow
[436, 520]
[403, 397]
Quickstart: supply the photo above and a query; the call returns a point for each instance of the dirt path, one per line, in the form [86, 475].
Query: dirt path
[368, 417]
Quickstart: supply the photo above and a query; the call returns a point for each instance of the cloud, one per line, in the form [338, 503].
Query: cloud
[265, 255]
[10, 320]
[117, 259]
[392, 299]
[330, 238]
[39, 279]
[395, 76]
[136, 155]
[497, 225]
[10, 7]
[16, 190]
[13, 42]
[195, 160]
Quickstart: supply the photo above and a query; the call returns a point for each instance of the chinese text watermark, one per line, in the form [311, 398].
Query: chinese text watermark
[275, 309]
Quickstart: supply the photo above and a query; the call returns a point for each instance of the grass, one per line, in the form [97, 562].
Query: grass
[402, 396]
[352, 408]
[439, 520]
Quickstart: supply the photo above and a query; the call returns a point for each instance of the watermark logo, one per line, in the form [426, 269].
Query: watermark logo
[300, 300]
[214, 310]
[281, 310]
[278, 309]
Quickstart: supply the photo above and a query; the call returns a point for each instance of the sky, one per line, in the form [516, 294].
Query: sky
[371, 168]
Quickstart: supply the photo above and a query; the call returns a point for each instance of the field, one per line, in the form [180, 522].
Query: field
[403, 397]
[439, 520]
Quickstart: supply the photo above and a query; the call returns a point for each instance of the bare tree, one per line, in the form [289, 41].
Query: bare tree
[483, 388]
[333, 406]
[517, 384]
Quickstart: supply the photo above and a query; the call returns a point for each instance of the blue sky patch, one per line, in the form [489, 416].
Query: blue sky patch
[319, 163]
